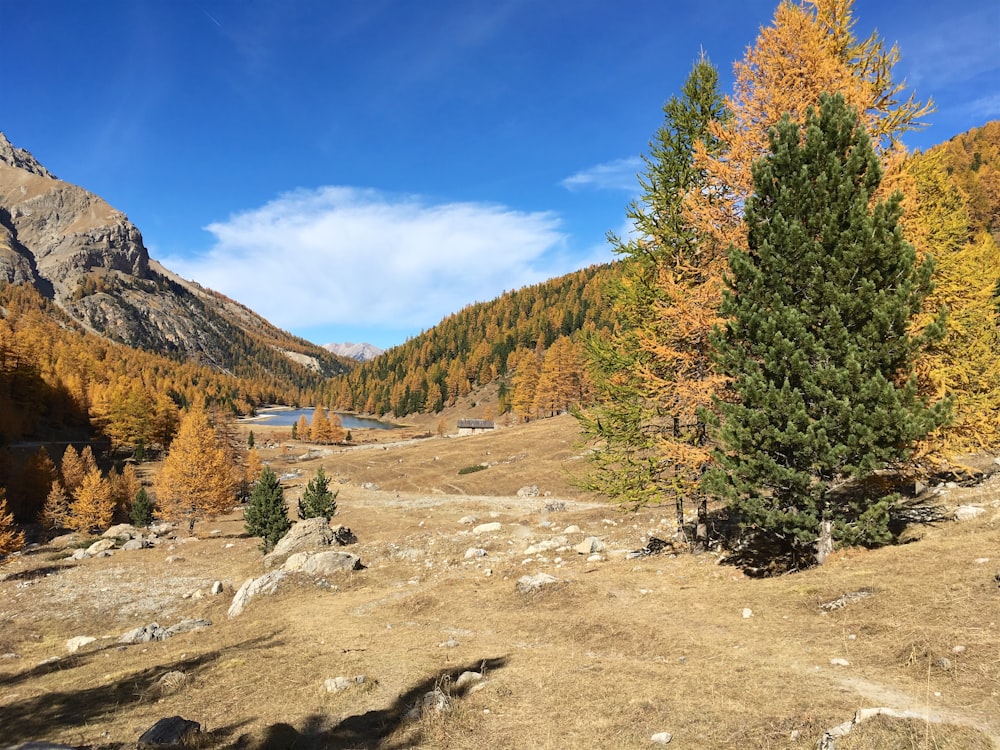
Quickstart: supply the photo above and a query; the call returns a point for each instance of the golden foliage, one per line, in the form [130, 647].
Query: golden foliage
[92, 507]
[55, 512]
[11, 538]
[198, 477]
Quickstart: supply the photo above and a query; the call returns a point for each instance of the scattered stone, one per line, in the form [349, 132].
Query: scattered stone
[843, 601]
[134, 544]
[266, 584]
[144, 634]
[589, 546]
[981, 560]
[344, 536]
[573, 529]
[100, 546]
[10, 655]
[661, 738]
[747, 613]
[338, 684]
[530, 491]
[169, 733]
[122, 531]
[186, 626]
[307, 535]
[596, 558]
[487, 528]
[328, 563]
[217, 587]
[534, 584]
[80, 554]
[163, 529]
[654, 547]
[958, 650]
[173, 559]
[839, 662]
[434, 701]
[75, 644]
[450, 643]
[467, 681]
[468, 520]
[943, 663]
[474, 552]
[968, 512]
[556, 506]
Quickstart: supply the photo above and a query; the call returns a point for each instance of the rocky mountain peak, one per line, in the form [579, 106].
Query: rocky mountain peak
[21, 159]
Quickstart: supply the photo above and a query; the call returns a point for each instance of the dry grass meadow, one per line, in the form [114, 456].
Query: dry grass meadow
[618, 650]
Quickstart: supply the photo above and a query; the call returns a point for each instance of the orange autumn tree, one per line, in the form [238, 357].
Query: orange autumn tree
[11, 538]
[92, 507]
[55, 511]
[199, 478]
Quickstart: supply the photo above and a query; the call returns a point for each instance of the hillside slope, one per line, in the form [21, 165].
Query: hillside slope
[90, 260]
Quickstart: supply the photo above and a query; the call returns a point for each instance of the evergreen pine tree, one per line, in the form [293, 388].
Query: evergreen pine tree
[817, 340]
[250, 440]
[265, 514]
[141, 511]
[317, 500]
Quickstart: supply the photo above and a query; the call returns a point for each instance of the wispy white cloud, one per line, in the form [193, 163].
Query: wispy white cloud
[954, 50]
[611, 175]
[355, 257]
[987, 107]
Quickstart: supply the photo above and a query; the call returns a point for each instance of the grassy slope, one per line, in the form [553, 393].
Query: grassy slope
[619, 650]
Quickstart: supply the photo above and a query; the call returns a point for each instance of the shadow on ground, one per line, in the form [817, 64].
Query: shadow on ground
[371, 730]
[39, 717]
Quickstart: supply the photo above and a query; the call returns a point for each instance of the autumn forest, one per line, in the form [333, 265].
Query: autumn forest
[675, 358]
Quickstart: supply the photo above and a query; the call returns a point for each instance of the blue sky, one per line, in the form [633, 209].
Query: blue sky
[356, 170]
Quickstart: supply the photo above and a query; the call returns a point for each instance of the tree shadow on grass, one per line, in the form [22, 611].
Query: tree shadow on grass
[34, 718]
[369, 730]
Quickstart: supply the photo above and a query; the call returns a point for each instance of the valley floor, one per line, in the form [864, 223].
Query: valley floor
[616, 650]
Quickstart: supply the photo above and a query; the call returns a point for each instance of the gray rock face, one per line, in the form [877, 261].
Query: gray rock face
[266, 584]
[323, 563]
[534, 584]
[307, 535]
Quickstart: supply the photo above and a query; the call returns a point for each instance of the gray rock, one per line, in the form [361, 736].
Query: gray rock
[122, 531]
[186, 626]
[330, 562]
[144, 634]
[217, 587]
[475, 552]
[134, 544]
[308, 535]
[80, 554]
[535, 583]
[661, 738]
[170, 733]
[589, 546]
[530, 491]
[75, 644]
[266, 584]
[487, 528]
[968, 512]
[468, 520]
[100, 546]
[338, 684]
[467, 680]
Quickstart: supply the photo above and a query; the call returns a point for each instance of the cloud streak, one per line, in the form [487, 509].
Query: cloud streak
[619, 174]
[355, 257]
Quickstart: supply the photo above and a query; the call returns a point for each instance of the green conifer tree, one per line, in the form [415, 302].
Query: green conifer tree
[141, 511]
[265, 514]
[629, 423]
[817, 341]
[317, 500]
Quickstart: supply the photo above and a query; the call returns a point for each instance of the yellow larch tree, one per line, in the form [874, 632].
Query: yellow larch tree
[302, 428]
[72, 468]
[198, 478]
[92, 507]
[55, 512]
[11, 538]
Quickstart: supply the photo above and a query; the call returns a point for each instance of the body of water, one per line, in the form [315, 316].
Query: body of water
[288, 417]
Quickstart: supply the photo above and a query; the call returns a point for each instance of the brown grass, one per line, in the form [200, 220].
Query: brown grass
[619, 650]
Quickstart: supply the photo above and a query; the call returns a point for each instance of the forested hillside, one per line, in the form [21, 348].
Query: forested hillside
[488, 342]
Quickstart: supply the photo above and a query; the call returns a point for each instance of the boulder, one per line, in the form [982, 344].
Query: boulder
[143, 634]
[487, 528]
[122, 531]
[330, 562]
[968, 512]
[169, 733]
[101, 545]
[266, 584]
[75, 644]
[134, 544]
[589, 546]
[306, 535]
[534, 584]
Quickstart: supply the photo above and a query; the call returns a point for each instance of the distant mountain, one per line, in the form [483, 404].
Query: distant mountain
[89, 259]
[359, 352]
